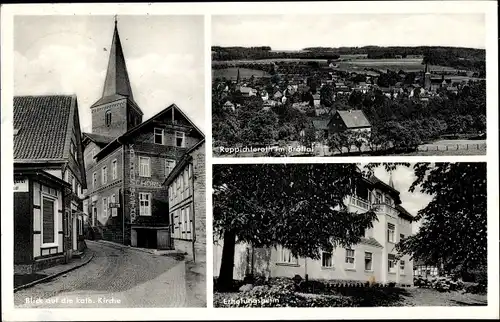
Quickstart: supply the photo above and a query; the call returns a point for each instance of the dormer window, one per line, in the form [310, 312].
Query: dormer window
[158, 136]
[108, 118]
[180, 139]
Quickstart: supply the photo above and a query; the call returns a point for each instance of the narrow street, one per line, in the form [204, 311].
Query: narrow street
[114, 278]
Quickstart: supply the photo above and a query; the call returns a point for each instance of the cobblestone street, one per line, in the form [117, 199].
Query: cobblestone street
[116, 277]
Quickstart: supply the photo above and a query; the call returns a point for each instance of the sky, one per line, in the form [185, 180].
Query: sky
[291, 32]
[69, 55]
[402, 178]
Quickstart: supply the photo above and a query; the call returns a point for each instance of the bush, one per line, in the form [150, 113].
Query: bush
[439, 283]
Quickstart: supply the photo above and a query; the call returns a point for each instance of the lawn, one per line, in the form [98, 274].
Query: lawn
[446, 153]
[430, 297]
[406, 64]
[232, 72]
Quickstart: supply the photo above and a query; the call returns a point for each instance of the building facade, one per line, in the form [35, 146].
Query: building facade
[374, 258]
[128, 160]
[49, 182]
[187, 206]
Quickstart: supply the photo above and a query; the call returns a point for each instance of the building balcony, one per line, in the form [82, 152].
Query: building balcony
[361, 203]
[386, 209]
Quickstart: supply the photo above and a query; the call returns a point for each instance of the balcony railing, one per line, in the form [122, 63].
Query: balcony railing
[361, 203]
[387, 209]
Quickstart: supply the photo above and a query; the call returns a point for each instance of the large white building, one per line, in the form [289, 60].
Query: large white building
[373, 258]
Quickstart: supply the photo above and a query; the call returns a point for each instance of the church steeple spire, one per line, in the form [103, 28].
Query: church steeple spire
[117, 81]
[115, 112]
[391, 181]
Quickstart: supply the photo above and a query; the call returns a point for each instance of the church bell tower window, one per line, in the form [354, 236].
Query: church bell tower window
[108, 118]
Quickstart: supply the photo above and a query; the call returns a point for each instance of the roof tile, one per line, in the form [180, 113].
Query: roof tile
[42, 124]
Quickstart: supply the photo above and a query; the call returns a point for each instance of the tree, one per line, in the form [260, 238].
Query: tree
[326, 96]
[309, 136]
[298, 206]
[454, 228]
[356, 99]
[343, 139]
[260, 129]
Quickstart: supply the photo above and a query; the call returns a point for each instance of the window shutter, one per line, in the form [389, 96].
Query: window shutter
[48, 221]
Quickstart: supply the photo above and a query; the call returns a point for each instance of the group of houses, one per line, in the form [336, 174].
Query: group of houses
[372, 259]
[425, 86]
[128, 181]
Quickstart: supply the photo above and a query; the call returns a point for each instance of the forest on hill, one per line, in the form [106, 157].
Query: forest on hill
[456, 57]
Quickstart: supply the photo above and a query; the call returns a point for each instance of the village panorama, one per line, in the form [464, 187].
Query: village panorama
[370, 100]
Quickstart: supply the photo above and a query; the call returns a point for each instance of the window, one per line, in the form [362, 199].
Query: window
[105, 206]
[388, 200]
[144, 167]
[378, 198]
[368, 261]
[390, 233]
[114, 211]
[79, 189]
[73, 184]
[190, 170]
[108, 118]
[326, 259]
[172, 225]
[48, 220]
[114, 170]
[180, 139]
[349, 258]
[401, 237]
[391, 263]
[169, 166]
[287, 257]
[402, 267]
[94, 180]
[186, 223]
[144, 204]
[104, 178]
[158, 136]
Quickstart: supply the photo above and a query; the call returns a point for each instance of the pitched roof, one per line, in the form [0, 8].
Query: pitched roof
[354, 118]
[43, 124]
[116, 142]
[117, 83]
[184, 160]
[246, 89]
[321, 123]
[404, 213]
[99, 139]
[395, 193]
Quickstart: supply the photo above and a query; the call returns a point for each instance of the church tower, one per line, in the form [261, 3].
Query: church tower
[115, 112]
[427, 78]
